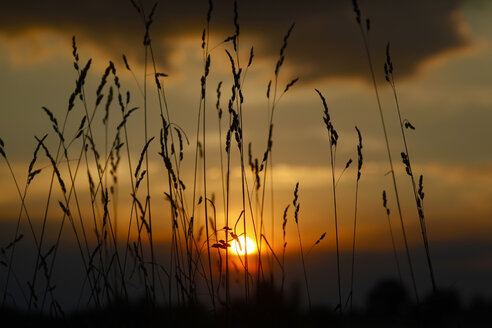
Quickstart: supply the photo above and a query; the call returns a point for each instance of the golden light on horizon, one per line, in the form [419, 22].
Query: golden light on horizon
[244, 245]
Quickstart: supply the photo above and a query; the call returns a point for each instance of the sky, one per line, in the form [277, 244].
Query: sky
[441, 51]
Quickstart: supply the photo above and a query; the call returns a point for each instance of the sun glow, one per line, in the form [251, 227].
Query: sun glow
[239, 247]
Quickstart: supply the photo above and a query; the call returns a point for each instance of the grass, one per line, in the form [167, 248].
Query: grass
[297, 205]
[333, 140]
[198, 264]
[364, 31]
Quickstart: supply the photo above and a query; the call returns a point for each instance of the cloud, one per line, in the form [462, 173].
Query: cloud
[326, 42]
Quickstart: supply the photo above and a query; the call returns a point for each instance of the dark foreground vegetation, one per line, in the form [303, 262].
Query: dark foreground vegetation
[387, 305]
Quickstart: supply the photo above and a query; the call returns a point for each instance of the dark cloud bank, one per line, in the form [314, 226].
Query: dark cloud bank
[325, 43]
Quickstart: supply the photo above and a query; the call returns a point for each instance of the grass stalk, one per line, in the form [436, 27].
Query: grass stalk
[389, 75]
[359, 167]
[393, 244]
[365, 41]
[333, 140]
[296, 205]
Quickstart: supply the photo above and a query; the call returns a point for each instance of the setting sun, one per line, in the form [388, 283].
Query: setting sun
[238, 247]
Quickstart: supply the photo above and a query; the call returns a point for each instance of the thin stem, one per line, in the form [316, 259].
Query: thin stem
[373, 78]
[304, 267]
[353, 247]
[414, 187]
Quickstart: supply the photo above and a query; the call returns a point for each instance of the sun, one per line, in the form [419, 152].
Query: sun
[240, 249]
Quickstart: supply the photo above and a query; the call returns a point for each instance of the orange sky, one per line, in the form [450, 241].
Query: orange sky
[444, 91]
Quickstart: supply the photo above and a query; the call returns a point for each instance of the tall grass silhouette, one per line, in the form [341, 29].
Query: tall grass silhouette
[118, 250]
